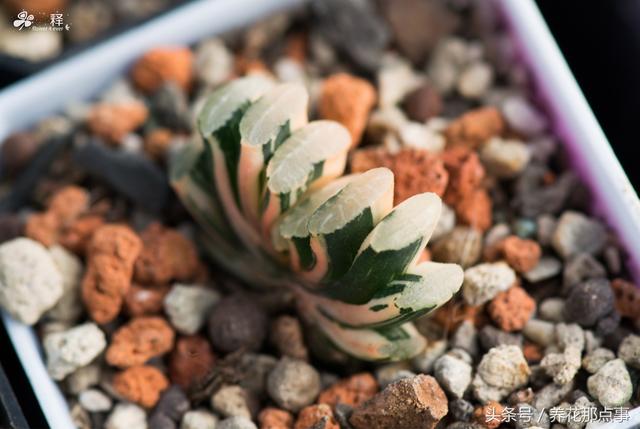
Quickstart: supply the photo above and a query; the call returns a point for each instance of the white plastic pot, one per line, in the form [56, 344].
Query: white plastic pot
[84, 76]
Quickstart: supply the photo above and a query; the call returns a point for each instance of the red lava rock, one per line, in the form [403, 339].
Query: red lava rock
[77, 235]
[521, 254]
[16, 151]
[475, 127]
[63, 208]
[315, 414]
[111, 254]
[627, 298]
[141, 384]
[465, 172]
[347, 99]
[489, 415]
[475, 210]
[162, 65]
[145, 301]
[532, 352]
[140, 340]
[422, 103]
[113, 122]
[190, 361]
[415, 170]
[166, 255]
[511, 310]
[275, 418]
[351, 391]
[410, 403]
[451, 315]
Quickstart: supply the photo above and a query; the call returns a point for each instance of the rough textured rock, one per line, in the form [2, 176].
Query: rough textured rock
[484, 281]
[69, 350]
[188, 306]
[351, 391]
[411, 403]
[141, 384]
[30, 282]
[140, 340]
[502, 370]
[611, 385]
[629, 350]
[453, 374]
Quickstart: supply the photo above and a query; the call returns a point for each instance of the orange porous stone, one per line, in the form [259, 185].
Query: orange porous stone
[141, 384]
[190, 361]
[351, 391]
[475, 210]
[627, 298]
[275, 418]
[521, 254]
[77, 235]
[64, 207]
[475, 127]
[465, 173]
[415, 170]
[167, 255]
[111, 254]
[162, 65]
[511, 310]
[315, 414]
[451, 315]
[113, 122]
[347, 99]
[157, 142]
[145, 301]
[489, 415]
[140, 340]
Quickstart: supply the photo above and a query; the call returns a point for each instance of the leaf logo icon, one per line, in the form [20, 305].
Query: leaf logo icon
[24, 20]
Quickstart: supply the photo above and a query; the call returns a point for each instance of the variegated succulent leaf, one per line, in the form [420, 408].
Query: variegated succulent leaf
[268, 191]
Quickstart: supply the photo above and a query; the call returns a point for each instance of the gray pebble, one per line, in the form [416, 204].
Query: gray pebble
[551, 309]
[425, 360]
[462, 245]
[466, 338]
[255, 369]
[548, 267]
[629, 350]
[461, 409]
[453, 374]
[391, 372]
[588, 302]
[188, 306]
[94, 400]
[580, 267]
[491, 337]
[569, 335]
[577, 233]
[611, 385]
[540, 332]
[551, 395]
[236, 423]
[546, 224]
[596, 359]
[293, 384]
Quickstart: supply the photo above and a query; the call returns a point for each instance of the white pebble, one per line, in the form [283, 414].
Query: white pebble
[523, 117]
[188, 306]
[484, 281]
[577, 233]
[453, 374]
[231, 401]
[475, 80]
[629, 350]
[69, 307]
[596, 359]
[126, 416]
[419, 136]
[94, 401]
[547, 267]
[505, 158]
[213, 62]
[562, 366]
[501, 370]
[198, 419]
[30, 282]
[396, 78]
[69, 350]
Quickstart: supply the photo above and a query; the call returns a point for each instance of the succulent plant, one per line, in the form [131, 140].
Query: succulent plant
[268, 191]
